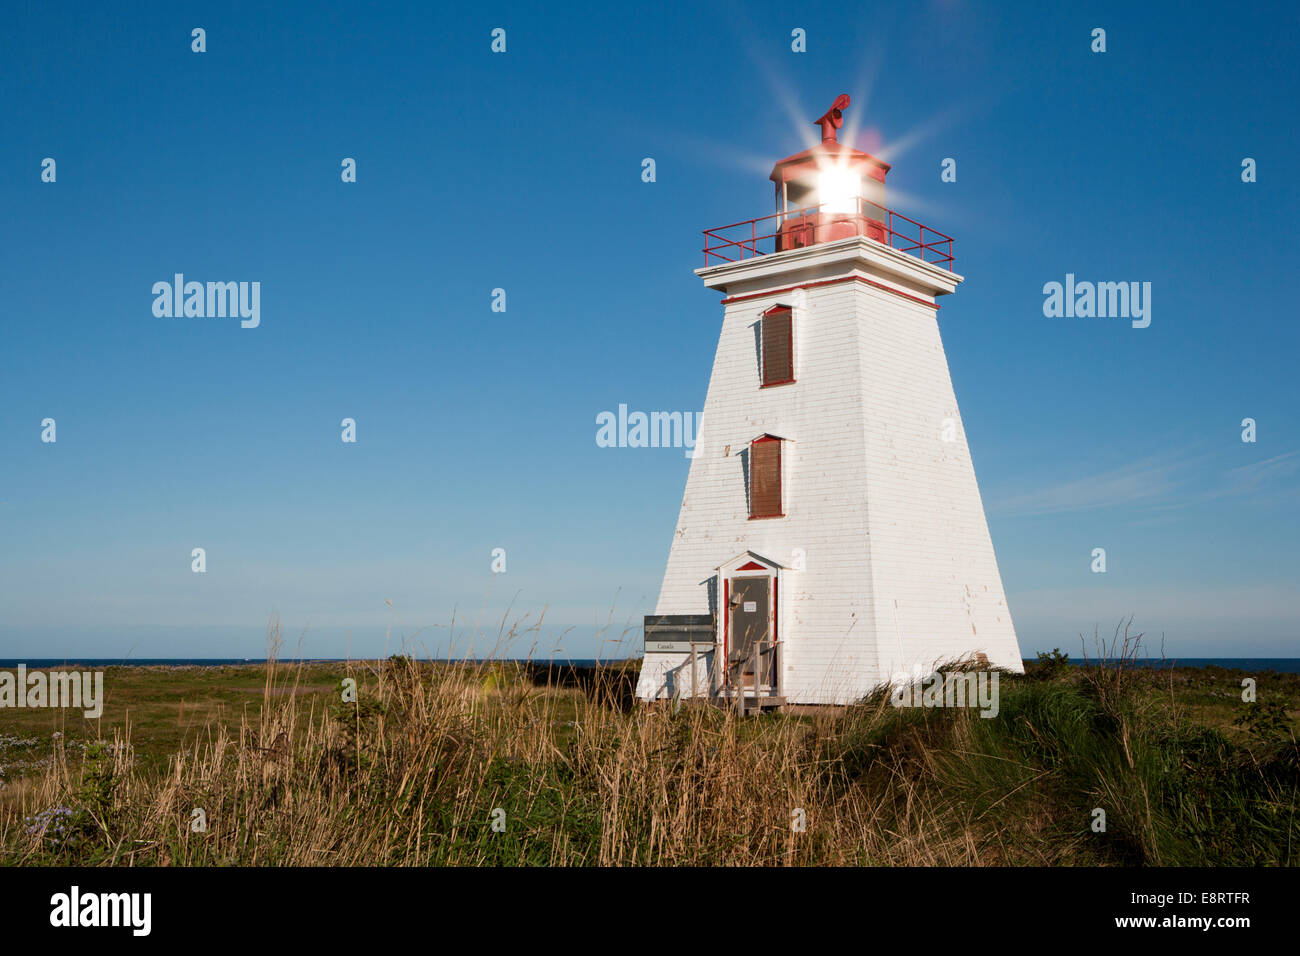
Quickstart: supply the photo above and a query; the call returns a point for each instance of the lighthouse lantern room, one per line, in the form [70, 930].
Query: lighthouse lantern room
[830, 191]
[831, 538]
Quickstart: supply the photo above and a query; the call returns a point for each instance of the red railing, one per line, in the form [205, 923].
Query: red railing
[810, 226]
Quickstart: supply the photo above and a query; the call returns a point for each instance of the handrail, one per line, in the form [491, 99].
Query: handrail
[937, 250]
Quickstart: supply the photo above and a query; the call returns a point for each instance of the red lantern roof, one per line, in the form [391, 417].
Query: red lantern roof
[830, 152]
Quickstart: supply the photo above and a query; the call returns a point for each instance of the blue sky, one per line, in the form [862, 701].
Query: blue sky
[522, 171]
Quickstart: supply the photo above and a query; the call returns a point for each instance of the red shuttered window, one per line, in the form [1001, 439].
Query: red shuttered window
[778, 347]
[765, 478]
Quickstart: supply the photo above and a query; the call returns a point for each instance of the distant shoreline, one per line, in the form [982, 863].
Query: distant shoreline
[1281, 665]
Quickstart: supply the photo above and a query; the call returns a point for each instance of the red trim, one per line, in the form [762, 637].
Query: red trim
[773, 682]
[752, 566]
[726, 624]
[813, 285]
[726, 629]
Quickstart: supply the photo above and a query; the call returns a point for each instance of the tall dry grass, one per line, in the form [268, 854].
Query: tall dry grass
[417, 770]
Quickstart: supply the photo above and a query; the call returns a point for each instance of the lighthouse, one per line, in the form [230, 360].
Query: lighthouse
[831, 537]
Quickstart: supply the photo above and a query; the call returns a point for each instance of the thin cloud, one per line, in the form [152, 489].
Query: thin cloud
[1161, 483]
[1257, 475]
[1144, 482]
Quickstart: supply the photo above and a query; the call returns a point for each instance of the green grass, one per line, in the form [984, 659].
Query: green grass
[412, 774]
[165, 709]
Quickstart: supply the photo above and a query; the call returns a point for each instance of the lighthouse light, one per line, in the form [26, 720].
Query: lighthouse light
[838, 191]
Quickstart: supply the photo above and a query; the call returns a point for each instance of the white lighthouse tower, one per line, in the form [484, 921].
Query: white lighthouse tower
[831, 537]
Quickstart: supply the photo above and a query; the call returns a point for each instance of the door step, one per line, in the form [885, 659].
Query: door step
[750, 703]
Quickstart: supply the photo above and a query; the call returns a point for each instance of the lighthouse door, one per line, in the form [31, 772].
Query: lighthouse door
[749, 644]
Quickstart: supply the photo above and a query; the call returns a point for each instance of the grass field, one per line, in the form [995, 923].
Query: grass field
[500, 764]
